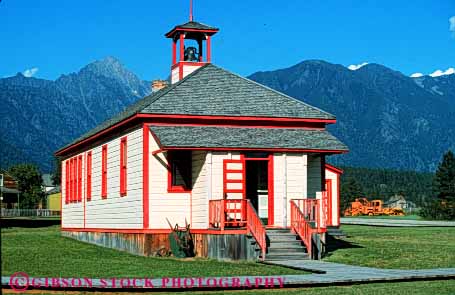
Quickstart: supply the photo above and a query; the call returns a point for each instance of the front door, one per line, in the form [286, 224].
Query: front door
[257, 187]
[251, 178]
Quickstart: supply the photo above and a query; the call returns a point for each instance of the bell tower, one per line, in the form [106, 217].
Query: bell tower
[187, 57]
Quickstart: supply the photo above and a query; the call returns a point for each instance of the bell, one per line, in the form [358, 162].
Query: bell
[191, 54]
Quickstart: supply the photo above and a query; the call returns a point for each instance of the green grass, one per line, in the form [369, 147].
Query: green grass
[403, 248]
[406, 288]
[43, 252]
[405, 217]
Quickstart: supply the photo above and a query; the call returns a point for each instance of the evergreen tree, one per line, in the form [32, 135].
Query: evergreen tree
[30, 185]
[57, 174]
[444, 180]
[442, 206]
[350, 190]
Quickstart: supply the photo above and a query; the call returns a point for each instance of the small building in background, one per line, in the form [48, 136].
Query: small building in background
[48, 184]
[9, 192]
[400, 202]
[53, 199]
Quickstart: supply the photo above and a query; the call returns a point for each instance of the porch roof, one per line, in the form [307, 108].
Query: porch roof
[192, 137]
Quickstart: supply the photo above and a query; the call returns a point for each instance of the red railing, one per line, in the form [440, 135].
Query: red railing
[300, 225]
[255, 227]
[232, 213]
[309, 216]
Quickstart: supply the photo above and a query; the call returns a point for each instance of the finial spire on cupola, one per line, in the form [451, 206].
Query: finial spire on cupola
[191, 56]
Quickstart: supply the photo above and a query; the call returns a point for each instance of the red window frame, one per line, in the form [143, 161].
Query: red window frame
[185, 158]
[79, 179]
[74, 180]
[71, 180]
[104, 172]
[123, 165]
[88, 176]
[67, 182]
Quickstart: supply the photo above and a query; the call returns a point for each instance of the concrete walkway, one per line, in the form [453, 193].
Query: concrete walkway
[327, 274]
[396, 222]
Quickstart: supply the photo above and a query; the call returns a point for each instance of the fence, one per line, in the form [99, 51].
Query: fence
[30, 213]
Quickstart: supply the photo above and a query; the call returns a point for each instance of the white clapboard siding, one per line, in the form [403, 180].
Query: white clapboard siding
[199, 194]
[217, 173]
[119, 212]
[175, 207]
[73, 213]
[290, 182]
[334, 206]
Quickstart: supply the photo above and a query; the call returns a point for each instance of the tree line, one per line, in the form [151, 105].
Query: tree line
[434, 193]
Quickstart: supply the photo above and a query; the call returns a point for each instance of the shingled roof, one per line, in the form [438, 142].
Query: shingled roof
[193, 26]
[213, 91]
[246, 138]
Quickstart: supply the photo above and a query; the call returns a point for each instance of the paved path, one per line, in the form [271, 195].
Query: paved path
[396, 222]
[328, 274]
[336, 273]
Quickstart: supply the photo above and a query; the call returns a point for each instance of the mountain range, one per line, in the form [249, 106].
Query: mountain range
[387, 119]
[39, 116]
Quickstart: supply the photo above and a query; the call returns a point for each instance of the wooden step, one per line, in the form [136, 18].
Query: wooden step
[287, 256]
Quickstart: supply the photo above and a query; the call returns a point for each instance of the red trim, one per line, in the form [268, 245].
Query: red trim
[271, 201]
[333, 169]
[328, 189]
[72, 185]
[338, 197]
[239, 118]
[67, 181]
[157, 151]
[79, 178]
[155, 231]
[88, 181]
[145, 175]
[270, 188]
[182, 47]
[123, 165]
[104, 172]
[84, 197]
[188, 63]
[207, 121]
[256, 149]
[61, 197]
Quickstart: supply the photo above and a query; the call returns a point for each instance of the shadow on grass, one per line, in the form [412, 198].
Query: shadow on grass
[334, 244]
[29, 222]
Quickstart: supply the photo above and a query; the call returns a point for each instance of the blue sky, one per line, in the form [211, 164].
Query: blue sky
[56, 36]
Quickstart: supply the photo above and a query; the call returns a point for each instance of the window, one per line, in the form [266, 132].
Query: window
[79, 179]
[179, 173]
[72, 181]
[123, 163]
[88, 175]
[104, 172]
[67, 182]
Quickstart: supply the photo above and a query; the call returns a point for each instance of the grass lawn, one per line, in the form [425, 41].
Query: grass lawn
[406, 288]
[405, 217]
[404, 248]
[43, 252]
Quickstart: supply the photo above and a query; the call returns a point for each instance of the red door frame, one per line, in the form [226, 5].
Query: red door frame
[269, 159]
[328, 188]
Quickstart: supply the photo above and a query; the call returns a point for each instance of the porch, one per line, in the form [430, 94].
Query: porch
[308, 226]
